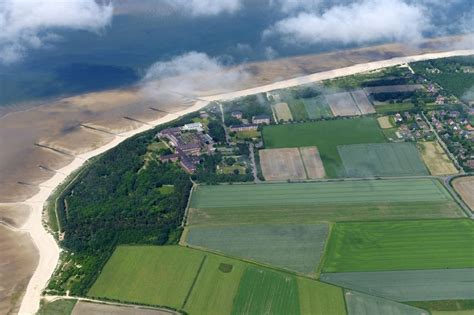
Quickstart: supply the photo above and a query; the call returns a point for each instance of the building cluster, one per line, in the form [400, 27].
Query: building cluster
[256, 121]
[188, 143]
[412, 127]
[457, 132]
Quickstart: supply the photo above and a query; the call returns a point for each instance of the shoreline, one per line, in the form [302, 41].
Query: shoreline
[45, 242]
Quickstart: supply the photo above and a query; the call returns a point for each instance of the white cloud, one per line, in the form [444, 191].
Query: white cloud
[270, 53]
[289, 6]
[205, 7]
[27, 24]
[190, 74]
[360, 22]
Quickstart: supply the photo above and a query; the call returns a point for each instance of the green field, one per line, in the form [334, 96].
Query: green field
[401, 245]
[294, 247]
[393, 108]
[266, 292]
[317, 107]
[409, 285]
[216, 286]
[298, 110]
[326, 135]
[63, 307]
[382, 159]
[363, 304]
[204, 283]
[321, 201]
[320, 298]
[148, 275]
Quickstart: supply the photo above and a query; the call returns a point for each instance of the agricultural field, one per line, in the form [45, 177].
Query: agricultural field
[63, 307]
[216, 286]
[297, 247]
[266, 292]
[363, 102]
[204, 283]
[400, 245]
[381, 159]
[298, 110]
[312, 162]
[436, 159]
[291, 163]
[88, 308]
[132, 274]
[384, 122]
[326, 136]
[446, 307]
[317, 107]
[465, 188]
[282, 164]
[282, 112]
[409, 285]
[320, 298]
[363, 304]
[342, 104]
[315, 201]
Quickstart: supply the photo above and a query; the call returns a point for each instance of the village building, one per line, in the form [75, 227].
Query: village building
[237, 114]
[243, 128]
[261, 119]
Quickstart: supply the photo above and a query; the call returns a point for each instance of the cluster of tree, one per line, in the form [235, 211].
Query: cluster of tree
[116, 200]
[306, 92]
[207, 171]
[252, 105]
[396, 96]
[386, 81]
[216, 131]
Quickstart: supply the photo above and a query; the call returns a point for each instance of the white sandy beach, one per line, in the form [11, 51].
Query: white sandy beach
[48, 248]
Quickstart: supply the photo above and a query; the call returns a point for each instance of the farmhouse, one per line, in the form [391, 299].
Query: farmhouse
[243, 128]
[261, 119]
[236, 114]
[169, 158]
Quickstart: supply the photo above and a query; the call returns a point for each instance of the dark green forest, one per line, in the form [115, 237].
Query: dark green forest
[116, 200]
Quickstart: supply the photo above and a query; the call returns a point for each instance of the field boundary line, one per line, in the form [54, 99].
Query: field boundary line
[322, 260]
[304, 164]
[186, 211]
[194, 282]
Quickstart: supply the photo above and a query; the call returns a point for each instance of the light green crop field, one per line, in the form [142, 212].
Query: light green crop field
[200, 282]
[321, 201]
[317, 107]
[266, 292]
[63, 307]
[401, 245]
[216, 286]
[298, 110]
[409, 285]
[320, 298]
[297, 247]
[382, 159]
[156, 275]
[326, 135]
[362, 304]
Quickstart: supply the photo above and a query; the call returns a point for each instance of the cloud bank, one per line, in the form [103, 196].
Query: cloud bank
[30, 24]
[190, 75]
[205, 7]
[359, 22]
[288, 6]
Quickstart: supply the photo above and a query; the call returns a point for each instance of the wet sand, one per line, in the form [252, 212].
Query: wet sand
[58, 126]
